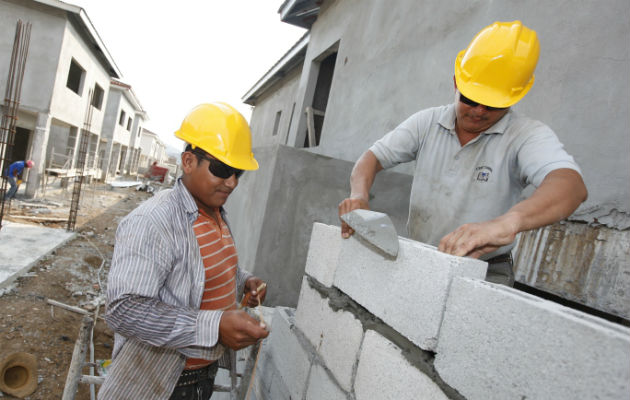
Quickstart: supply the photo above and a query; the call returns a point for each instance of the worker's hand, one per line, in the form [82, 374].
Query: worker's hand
[251, 286]
[19, 182]
[238, 329]
[476, 239]
[347, 205]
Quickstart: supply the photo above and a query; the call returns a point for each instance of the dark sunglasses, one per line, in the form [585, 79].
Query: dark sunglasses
[471, 103]
[219, 168]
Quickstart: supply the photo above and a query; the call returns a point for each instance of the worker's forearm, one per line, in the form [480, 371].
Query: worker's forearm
[560, 193]
[363, 175]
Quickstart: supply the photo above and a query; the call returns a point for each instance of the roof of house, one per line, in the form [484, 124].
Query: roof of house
[79, 18]
[289, 61]
[302, 13]
[130, 95]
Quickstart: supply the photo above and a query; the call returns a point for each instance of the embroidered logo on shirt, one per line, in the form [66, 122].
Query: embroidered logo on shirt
[482, 174]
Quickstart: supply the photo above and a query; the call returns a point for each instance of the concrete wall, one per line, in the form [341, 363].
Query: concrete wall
[273, 209]
[395, 60]
[67, 105]
[282, 98]
[45, 45]
[350, 338]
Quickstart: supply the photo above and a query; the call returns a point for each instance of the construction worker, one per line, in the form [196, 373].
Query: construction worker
[475, 156]
[174, 278]
[14, 175]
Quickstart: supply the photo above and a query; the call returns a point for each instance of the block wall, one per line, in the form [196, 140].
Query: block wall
[424, 325]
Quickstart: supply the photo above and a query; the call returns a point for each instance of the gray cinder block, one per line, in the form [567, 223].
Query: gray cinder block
[336, 335]
[409, 292]
[323, 252]
[500, 343]
[321, 387]
[291, 360]
[384, 373]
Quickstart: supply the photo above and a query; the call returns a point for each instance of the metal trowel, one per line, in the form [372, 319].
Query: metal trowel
[375, 227]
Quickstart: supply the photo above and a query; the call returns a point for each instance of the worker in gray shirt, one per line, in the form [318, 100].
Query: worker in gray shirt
[474, 158]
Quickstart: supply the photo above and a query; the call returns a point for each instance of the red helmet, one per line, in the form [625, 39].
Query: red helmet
[29, 164]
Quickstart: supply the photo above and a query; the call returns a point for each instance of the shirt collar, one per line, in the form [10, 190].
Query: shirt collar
[447, 120]
[188, 202]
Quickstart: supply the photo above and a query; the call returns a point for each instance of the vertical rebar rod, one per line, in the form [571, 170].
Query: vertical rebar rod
[84, 136]
[17, 65]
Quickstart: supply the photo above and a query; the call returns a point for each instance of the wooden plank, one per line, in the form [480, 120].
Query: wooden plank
[78, 360]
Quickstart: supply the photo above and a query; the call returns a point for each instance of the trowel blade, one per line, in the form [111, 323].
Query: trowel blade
[375, 227]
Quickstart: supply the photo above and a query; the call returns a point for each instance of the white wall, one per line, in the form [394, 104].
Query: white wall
[66, 104]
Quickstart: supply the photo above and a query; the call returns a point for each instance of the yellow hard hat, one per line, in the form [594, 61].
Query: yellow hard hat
[220, 130]
[497, 68]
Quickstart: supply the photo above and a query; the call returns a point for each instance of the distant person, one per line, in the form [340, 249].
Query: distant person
[475, 156]
[14, 176]
[174, 278]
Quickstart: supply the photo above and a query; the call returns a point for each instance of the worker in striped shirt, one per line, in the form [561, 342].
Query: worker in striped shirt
[174, 279]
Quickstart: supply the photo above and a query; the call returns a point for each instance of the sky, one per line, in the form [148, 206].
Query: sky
[178, 54]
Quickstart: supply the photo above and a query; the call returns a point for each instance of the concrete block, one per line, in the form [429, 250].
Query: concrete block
[336, 335]
[384, 373]
[409, 292]
[320, 386]
[289, 357]
[307, 315]
[497, 342]
[323, 253]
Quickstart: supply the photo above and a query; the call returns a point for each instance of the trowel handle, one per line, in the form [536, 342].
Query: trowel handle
[249, 294]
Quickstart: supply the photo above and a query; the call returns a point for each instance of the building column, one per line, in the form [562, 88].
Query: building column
[39, 145]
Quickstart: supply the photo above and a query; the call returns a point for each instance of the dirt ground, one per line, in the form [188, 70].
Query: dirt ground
[69, 275]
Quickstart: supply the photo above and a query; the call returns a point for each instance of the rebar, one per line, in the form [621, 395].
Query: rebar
[81, 162]
[11, 105]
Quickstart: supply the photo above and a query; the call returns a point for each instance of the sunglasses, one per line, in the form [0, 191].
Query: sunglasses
[219, 168]
[468, 102]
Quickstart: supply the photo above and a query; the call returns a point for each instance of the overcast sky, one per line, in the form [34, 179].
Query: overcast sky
[177, 54]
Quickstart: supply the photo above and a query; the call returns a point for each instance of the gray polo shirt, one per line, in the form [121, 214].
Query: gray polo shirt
[482, 180]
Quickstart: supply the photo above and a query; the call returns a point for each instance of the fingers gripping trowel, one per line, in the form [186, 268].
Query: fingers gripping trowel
[375, 227]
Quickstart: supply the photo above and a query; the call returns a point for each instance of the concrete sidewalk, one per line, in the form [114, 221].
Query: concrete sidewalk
[21, 245]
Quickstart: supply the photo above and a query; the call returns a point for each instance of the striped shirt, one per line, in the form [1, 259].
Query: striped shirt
[220, 262]
[154, 293]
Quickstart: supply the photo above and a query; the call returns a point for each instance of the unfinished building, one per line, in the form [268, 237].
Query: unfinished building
[68, 73]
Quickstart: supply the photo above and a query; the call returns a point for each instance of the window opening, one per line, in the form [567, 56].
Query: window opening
[276, 123]
[75, 77]
[316, 112]
[121, 119]
[97, 97]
